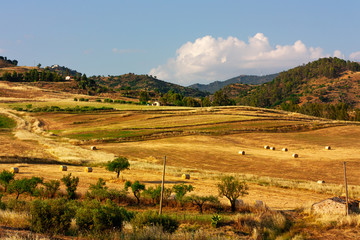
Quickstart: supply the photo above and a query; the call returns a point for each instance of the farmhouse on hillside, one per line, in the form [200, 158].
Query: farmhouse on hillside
[335, 205]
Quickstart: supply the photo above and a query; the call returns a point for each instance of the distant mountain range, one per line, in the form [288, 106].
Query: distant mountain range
[242, 79]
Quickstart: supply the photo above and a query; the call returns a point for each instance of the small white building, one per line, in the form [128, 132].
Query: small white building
[67, 78]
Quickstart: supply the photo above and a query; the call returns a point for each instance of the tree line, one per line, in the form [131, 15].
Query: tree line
[13, 62]
[32, 76]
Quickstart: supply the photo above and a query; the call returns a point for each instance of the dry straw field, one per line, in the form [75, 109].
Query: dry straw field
[203, 142]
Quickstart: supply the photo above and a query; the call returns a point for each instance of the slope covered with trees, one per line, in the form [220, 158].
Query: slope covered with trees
[242, 79]
[148, 83]
[291, 85]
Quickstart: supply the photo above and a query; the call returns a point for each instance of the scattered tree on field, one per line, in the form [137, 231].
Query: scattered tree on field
[117, 165]
[232, 188]
[136, 188]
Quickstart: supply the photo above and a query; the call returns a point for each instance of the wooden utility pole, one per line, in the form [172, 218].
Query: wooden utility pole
[346, 191]
[162, 187]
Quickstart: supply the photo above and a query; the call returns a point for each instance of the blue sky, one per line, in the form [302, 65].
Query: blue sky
[183, 41]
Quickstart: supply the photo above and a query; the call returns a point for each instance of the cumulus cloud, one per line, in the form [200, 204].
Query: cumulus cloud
[338, 54]
[208, 59]
[355, 56]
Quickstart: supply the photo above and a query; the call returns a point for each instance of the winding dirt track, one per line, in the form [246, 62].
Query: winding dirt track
[29, 128]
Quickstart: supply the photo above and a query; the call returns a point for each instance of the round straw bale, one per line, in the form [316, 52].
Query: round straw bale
[93, 148]
[88, 169]
[266, 147]
[295, 155]
[63, 168]
[328, 148]
[185, 176]
[14, 170]
[242, 152]
[321, 182]
[272, 148]
[284, 149]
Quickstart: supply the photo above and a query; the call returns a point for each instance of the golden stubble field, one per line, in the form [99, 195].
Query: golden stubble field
[202, 142]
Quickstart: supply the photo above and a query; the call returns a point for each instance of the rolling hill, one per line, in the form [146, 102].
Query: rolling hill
[242, 79]
[327, 80]
[133, 81]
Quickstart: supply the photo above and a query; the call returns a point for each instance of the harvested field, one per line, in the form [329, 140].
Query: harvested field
[203, 141]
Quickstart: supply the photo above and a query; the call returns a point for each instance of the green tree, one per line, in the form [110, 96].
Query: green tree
[117, 165]
[24, 185]
[71, 184]
[5, 178]
[51, 187]
[232, 188]
[136, 188]
[180, 191]
[144, 96]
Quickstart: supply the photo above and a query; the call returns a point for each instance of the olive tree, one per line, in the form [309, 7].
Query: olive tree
[232, 188]
[117, 165]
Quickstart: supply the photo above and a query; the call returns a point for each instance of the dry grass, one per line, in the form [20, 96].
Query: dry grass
[14, 219]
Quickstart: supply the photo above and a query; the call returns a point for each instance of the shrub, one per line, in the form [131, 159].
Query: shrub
[24, 185]
[50, 216]
[201, 200]
[2, 205]
[180, 190]
[75, 99]
[51, 187]
[71, 185]
[136, 188]
[93, 216]
[153, 193]
[5, 178]
[98, 100]
[152, 218]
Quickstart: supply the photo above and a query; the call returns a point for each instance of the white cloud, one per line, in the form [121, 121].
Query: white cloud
[355, 56]
[338, 54]
[2, 50]
[208, 59]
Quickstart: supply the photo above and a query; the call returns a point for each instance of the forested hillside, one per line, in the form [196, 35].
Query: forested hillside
[242, 79]
[293, 84]
[148, 83]
[328, 87]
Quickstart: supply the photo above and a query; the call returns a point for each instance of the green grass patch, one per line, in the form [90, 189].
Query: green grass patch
[6, 123]
[111, 134]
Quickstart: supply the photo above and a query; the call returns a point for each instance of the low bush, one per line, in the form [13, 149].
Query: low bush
[50, 216]
[152, 218]
[93, 216]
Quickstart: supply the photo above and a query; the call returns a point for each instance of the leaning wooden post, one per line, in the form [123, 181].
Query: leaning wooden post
[162, 187]
[346, 191]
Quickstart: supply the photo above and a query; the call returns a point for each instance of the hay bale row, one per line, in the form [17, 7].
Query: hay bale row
[266, 147]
